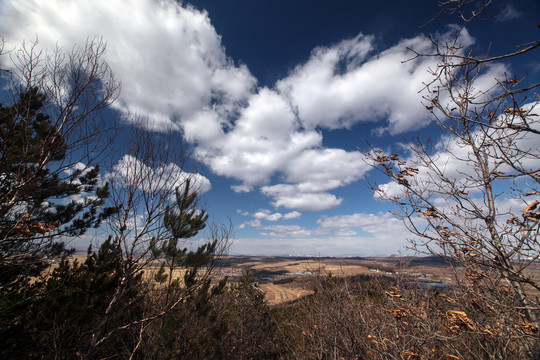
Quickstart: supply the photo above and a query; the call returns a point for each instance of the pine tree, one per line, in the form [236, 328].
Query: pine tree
[40, 205]
[52, 133]
[71, 304]
[191, 327]
[183, 223]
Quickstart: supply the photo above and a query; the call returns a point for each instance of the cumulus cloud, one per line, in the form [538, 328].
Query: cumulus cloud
[509, 13]
[330, 245]
[75, 171]
[129, 170]
[451, 177]
[345, 232]
[452, 158]
[241, 212]
[312, 174]
[256, 223]
[291, 197]
[344, 84]
[287, 231]
[175, 71]
[325, 169]
[368, 223]
[169, 57]
[267, 215]
[357, 234]
[292, 215]
[264, 138]
[77, 167]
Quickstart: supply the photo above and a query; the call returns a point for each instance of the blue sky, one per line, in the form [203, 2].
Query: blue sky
[275, 96]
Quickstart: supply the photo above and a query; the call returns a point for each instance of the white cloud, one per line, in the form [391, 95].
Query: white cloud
[256, 223]
[453, 159]
[509, 13]
[286, 231]
[345, 232]
[292, 215]
[242, 188]
[129, 170]
[264, 138]
[367, 223]
[267, 215]
[291, 197]
[382, 245]
[77, 167]
[319, 170]
[175, 71]
[168, 56]
[347, 83]
[312, 174]
[451, 177]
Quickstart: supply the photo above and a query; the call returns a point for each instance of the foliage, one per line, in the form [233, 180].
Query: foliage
[47, 194]
[251, 325]
[37, 205]
[150, 293]
[332, 323]
[71, 303]
[471, 196]
[372, 318]
[170, 302]
[220, 322]
[182, 223]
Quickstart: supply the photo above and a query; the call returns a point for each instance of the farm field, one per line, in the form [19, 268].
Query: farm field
[285, 279]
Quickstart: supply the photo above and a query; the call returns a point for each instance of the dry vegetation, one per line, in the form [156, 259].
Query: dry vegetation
[143, 295]
[284, 279]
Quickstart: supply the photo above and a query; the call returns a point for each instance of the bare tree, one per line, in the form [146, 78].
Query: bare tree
[52, 135]
[56, 125]
[472, 195]
[158, 214]
[2, 46]
[51, 189]
[79, 85]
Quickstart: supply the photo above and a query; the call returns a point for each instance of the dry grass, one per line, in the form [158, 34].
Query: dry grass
[287, 279]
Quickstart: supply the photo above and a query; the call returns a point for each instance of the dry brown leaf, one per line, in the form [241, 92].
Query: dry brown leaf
[430, 212]
[474, 275]
[394, 294]
[531, 207]
[460, 319]
[412, 355]
[533, 216]
[529, 329]
[488, 332]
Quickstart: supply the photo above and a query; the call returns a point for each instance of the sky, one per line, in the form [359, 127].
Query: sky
[276, 96]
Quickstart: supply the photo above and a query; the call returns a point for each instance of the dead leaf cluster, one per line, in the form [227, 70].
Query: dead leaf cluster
[31, 227]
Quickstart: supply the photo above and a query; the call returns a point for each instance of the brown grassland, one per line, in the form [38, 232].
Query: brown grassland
[285, 279]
